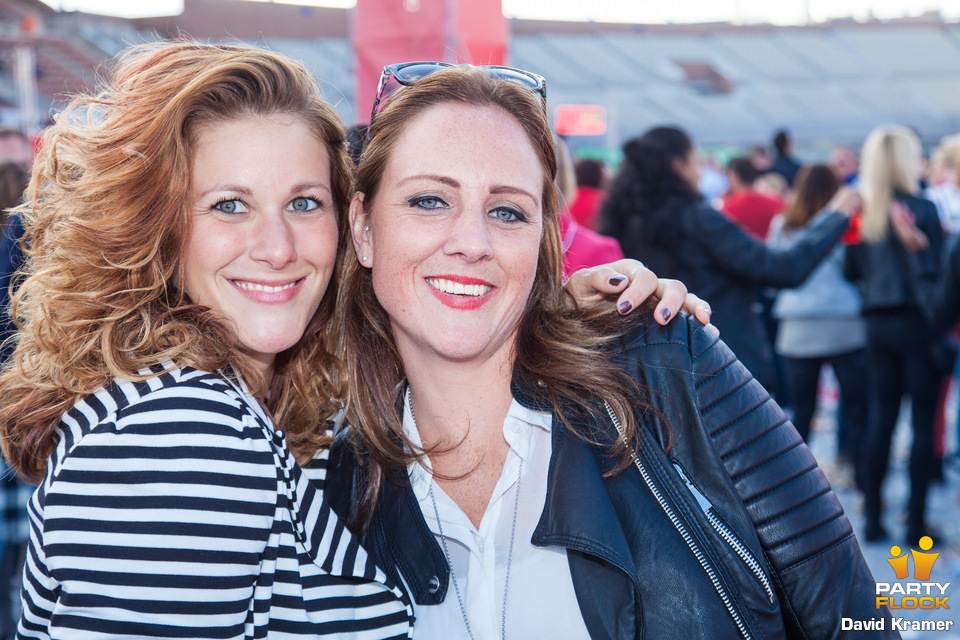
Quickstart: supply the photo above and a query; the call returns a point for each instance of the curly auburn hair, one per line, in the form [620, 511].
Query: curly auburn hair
[560, 348]
[107, 217]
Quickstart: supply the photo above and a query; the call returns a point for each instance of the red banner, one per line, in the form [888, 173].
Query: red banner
[580, 119]
[389, 31]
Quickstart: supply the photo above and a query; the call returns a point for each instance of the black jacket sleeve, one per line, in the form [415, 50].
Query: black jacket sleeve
[11, 259]
[947, 304]
[820, 573]
[733, 251]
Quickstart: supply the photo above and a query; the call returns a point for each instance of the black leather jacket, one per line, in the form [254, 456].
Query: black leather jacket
[720, 262]
[756, 546]
[947, 305]
[887, 275]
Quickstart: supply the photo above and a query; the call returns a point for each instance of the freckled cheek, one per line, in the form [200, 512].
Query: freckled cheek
[395, 280]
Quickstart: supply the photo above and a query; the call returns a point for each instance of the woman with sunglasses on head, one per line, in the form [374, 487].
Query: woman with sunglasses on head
[525, 469]
[183, 228]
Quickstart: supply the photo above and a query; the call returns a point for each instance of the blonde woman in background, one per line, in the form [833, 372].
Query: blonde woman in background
[899, 337]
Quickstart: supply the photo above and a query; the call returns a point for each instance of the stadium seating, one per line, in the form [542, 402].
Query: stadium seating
[727, 84]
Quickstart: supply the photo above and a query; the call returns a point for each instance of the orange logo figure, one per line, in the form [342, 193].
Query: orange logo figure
[900, 565]
[922, 562]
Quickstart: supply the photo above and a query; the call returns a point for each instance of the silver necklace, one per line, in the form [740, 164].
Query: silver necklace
[446, 551]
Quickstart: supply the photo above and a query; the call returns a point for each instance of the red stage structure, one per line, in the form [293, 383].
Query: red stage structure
[389, 31]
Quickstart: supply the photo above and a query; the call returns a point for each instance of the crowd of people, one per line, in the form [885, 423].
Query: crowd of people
[855, 253]
[269, 388]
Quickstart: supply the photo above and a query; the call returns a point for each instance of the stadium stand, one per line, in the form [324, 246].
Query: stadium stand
[727, 84]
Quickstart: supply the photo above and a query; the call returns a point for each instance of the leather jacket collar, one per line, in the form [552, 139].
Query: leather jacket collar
[408, 544]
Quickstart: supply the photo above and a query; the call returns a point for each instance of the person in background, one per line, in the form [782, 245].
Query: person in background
[592, 179]
[899, 337]
[845, 164]
[15, 147]
[944, 189]
[658, 215]
[712, 183]
[760, 158]
[14, 492]
[784, 163]
[582, 246]
[356, 137]
[773, 185]
[753, 211]
[13, 180]
[819, 321]
[947, 305]
[745, 205]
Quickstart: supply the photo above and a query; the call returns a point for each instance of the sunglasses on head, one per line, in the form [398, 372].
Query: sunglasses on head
[404, 74]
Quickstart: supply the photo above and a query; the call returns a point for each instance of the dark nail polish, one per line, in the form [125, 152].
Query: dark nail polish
[625, 306]
[665, 314]
[616, 280]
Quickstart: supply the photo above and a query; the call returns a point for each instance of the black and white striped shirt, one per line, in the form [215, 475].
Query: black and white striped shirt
[171, 508]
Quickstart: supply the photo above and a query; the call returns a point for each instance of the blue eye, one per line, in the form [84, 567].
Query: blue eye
[508, 214]
[230, 206]
[427, 202]
[304, 204]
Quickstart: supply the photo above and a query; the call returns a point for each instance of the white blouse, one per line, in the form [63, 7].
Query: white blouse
[541, 602]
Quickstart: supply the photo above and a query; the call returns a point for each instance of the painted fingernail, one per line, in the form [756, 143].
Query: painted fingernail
[625, 306]
[709, 310]
[665, 314]
[617, 280]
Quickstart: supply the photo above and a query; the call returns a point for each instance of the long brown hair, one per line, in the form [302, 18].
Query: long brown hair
[106, 219]
[813, 188]
[559, 349]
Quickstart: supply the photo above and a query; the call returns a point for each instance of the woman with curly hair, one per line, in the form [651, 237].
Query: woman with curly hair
[182, 229]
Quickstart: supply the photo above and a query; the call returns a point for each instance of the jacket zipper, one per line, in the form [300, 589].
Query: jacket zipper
[728, 536]
[682, 530]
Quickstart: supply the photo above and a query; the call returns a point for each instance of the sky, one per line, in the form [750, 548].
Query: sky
[640, 11]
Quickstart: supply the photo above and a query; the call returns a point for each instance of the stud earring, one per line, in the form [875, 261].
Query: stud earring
[363, 258]
[366, 228]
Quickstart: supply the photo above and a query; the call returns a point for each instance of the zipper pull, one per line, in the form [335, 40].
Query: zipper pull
[701, 499]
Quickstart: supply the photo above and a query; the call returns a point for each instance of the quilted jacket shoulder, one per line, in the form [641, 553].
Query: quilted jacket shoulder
[807, 539]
